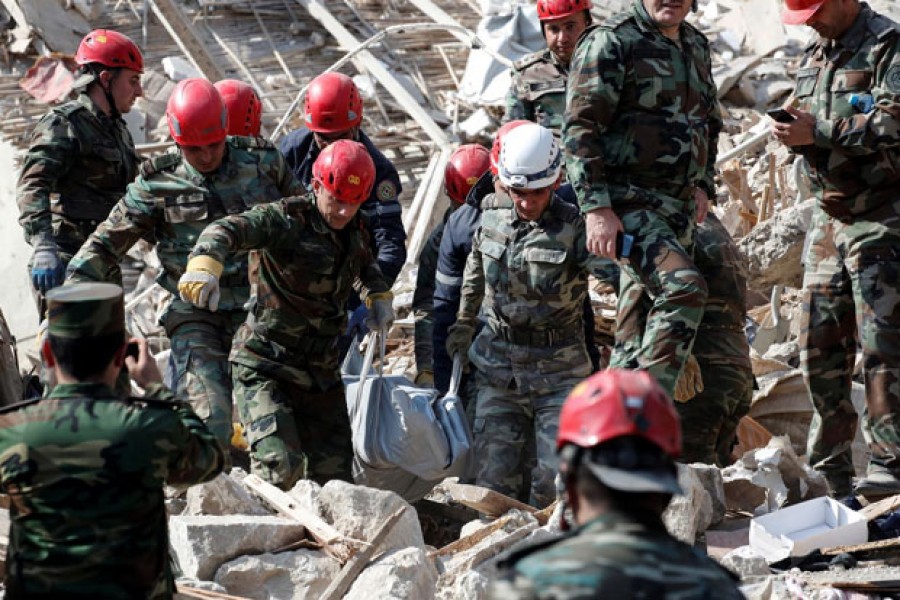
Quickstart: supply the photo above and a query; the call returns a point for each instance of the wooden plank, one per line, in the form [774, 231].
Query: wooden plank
[876, 509]
[191, 592]
[332, 540]
[471, 540]
[888, 544]
[483, 500]
[355, 566]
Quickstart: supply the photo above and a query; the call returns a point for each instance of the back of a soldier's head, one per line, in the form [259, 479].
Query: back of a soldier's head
[85, 328]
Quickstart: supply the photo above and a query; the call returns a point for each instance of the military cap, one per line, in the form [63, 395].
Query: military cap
[85, 310]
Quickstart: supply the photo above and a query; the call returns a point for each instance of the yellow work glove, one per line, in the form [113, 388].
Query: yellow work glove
[425, 378]
[690, 383]
[381, 311]
[200, 283]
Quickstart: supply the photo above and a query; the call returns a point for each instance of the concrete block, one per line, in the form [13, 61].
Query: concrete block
[202, 544]
[689, 514]
[358, 511]
[224, 495]
[286, 575]
[745, 562]
[406, 573]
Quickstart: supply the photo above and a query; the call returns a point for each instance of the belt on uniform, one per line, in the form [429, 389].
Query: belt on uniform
[522, 336]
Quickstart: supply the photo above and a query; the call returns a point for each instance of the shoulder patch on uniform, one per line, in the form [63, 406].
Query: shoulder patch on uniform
[892, 79]
[529, 59]
[162, 162]
[386, 191]
[251, 143]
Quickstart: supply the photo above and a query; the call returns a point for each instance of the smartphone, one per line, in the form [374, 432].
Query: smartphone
[780, 115]
[624, 241]
[132, 350]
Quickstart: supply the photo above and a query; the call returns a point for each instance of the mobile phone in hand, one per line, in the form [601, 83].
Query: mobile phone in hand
[624, 242]
[132, 350]
[780, 115]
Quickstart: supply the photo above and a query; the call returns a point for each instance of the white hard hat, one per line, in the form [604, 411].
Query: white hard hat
[530, 158]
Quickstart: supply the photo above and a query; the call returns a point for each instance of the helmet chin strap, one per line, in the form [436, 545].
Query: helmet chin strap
[114, 113]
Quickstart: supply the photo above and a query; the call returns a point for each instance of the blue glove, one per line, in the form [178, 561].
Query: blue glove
[356, 326]
[47, 268]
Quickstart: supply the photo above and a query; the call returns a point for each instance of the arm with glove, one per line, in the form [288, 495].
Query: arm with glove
[460, 334]
[377, 294]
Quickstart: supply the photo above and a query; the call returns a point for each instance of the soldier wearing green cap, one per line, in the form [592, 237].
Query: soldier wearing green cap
[85, 468]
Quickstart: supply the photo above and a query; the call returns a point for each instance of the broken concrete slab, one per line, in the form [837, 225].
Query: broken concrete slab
[711, 478]
[745, 562]
[202, 544]
[224, 495]
[288, 575]
[406, 573]
[691, 513]
[357, 512]
[471, 585]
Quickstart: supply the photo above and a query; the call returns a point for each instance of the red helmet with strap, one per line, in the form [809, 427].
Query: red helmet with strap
[549, 10]
[345, 169]
[333, 104]
[466, 165]
[110, 49]
[243, 105]
[196, 113]
[616, 403]
[498, 142]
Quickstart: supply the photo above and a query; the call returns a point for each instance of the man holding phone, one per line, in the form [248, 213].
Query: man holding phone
[846, 125]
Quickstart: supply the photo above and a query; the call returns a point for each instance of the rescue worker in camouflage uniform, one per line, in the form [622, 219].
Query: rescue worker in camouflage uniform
[466, 166]
[311, 253]
[81, 157]
[85, 467]
[618, 436]
[529, 266]
[846, 110]
[710, 415]
[538, 91]
[456, 244]
[243, 105]
[641, 129]
[333, 111]
[175, 197]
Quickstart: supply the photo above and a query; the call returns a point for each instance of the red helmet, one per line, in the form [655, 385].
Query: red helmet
[346, 170]
[549, 10]
[243, 105]
[498, 142]
[615, 403]
[333, 104]
[110, 49]
[196, 113]
[467, 164]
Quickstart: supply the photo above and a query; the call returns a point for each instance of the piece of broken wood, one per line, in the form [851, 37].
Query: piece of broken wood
[867, 547]
[876, 509]
[471, 540]
[332, 540]
[485, 501]
[191, 592]
[355, 565]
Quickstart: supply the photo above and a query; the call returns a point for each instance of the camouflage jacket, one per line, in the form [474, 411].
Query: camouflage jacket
[303, 271]
[614, 556]
[538, 91]
[171, 203]
[84, 158]
[642, 119]
[721, 337]
[381, 212]
[531, 277]
[423, 297]
[85, 470]
[855, 160]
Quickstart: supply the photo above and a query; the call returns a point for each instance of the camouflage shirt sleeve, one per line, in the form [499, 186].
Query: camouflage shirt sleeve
[133, 217]
[472, 290]
[708, 183]
[53, 145]
[263, 225]
[195, 454]
[877, 130]
[596, 75]
[516, 107]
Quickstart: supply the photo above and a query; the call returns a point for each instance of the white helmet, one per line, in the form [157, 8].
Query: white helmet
[530, 158]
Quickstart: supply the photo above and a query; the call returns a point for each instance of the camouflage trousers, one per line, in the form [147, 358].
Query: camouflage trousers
[201, 342]
[506, 420]
[851, 292]
[661, 263]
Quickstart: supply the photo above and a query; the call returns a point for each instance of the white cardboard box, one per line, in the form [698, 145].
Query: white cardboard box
[804, 527]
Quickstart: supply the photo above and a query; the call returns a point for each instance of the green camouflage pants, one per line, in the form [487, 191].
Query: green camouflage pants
[662, 264]
[293, 432]
[851, 292]
[505, 421]
[201, 342]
